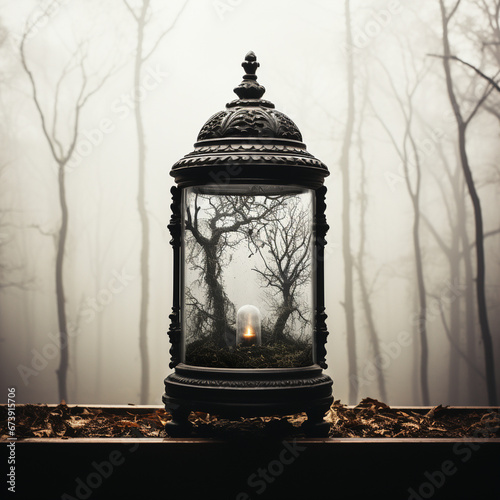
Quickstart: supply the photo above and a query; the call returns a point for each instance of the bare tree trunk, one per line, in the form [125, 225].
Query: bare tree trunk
[141, 56]
[373, 336]
[413, 189]
[414, 193]
[216, 294]
[284, 313]
[142, 211]
[346, 215]
[416, 391]
[478, 218]
[360, 264]
[480, 273]
[422, 314]
[99, 316]
[452, 253]
[62, 371]
[470, 316]
[454, 266]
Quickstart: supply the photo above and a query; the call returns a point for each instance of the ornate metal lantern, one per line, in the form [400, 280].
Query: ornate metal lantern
[248, 223]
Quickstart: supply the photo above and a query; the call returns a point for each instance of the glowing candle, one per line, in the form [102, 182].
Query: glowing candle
[249, 337]
[248, 326]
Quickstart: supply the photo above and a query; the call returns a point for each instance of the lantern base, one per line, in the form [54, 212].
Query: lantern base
[233, 393]
[179, 425]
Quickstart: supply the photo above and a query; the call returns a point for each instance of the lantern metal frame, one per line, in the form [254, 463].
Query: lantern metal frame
[249, 143]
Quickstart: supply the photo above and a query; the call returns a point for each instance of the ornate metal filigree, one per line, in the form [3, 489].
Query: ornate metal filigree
[250, 122]
[211, 127]
[248, 383]
[174, 332]
[321, 228]
[194, 160]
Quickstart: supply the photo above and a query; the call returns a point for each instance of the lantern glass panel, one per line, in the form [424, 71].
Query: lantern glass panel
[248, 262]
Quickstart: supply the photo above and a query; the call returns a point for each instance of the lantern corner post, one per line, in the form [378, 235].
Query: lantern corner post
[175, 228]
[179, 425]
[321, 228]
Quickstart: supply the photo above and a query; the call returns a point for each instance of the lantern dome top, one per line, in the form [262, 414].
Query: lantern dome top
[250, 141]
[249, 115]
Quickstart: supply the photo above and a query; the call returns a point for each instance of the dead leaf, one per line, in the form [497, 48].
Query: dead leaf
[126, 423]
[372, 404]
[434, 411]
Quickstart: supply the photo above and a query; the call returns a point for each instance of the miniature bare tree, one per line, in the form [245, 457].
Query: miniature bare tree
[286, 241]
[227, 220]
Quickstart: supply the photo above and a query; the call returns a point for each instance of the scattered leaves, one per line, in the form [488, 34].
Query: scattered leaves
[370, 418]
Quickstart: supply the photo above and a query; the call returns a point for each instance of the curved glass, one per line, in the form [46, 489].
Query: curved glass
[247, 293]
[248, 330]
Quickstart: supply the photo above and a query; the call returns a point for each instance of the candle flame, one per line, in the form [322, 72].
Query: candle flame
[249, 332]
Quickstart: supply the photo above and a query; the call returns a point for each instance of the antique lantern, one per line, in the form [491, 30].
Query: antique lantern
[248, 223]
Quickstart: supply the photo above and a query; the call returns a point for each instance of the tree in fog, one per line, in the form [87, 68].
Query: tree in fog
[449, 242]
[348, 302]
[15, 250]
[62, 140]
[407, 151]
[463, 120]
[142, 16]
[360, 257]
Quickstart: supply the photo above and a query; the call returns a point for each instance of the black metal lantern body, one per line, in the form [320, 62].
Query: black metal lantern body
[248, 326]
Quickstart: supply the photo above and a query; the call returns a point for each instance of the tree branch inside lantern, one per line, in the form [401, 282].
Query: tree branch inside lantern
[248, 249]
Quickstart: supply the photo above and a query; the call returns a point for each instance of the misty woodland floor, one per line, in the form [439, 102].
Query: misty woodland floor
[369, 419]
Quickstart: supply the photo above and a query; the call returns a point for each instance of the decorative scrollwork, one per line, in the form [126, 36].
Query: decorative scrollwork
[249, 122]
[175, 219]
[174, 227]
[321, 228]
[286, 128]
[211, 127]
[189, 161]
[249, 383]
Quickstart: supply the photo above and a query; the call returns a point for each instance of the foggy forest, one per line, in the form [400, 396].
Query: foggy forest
[400, 99]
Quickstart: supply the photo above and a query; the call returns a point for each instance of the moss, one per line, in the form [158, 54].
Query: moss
[289, 354]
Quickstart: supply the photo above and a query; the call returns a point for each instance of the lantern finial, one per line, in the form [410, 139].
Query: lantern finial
[250, 65]
[249, 88]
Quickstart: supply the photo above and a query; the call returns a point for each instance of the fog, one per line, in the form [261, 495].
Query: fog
[193, 50]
